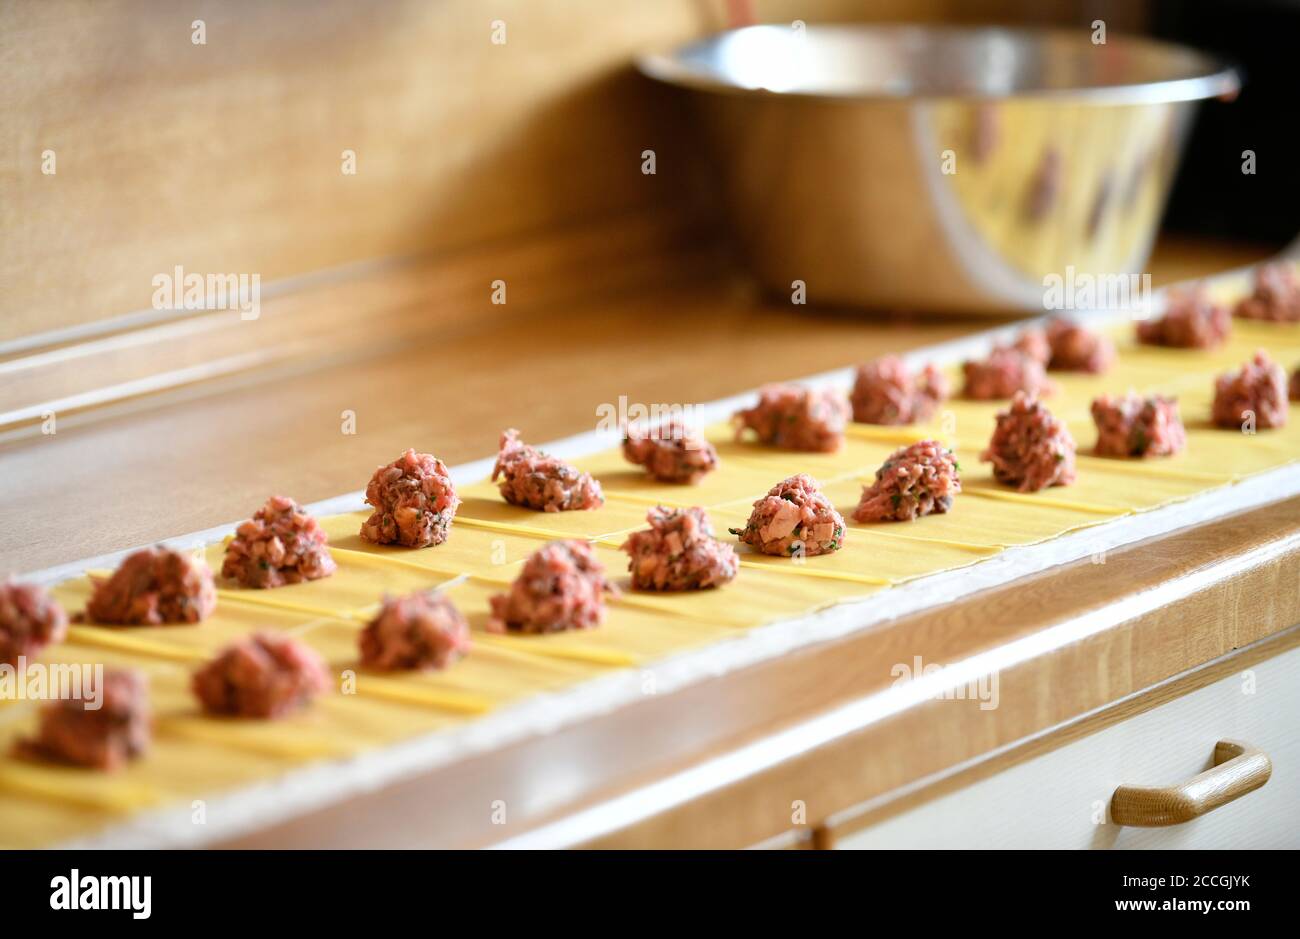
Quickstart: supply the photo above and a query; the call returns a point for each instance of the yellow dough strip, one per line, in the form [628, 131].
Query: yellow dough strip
[267, 599]
[390, 689]
[1139, 468]
[69, 785]
[232, 733]
[122, 639]
[985, 550]
[534, 646]
[507, 528]
[803, 570]
[1027, 498]
[372, 559]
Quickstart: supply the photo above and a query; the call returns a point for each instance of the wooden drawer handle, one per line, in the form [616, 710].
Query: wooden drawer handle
[1238, 769]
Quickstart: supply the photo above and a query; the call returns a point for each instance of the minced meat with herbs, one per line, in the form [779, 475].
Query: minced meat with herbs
[414, 502]
[1276, 297]
[796, 418]
[678, 552]
[106, 737]
[1030, 448]
[1033, 343]
[1005, 372]
[1076, 349]
[422, 630]
[30, 619]
[537, 480]
[153, 586]
[262, 676]
[1131, 425]
[281, 544]
[886, 392]
[671, 453]
[1258, 387]
[1192, 320]
[794, 519]
[920, 479]
[562, 586]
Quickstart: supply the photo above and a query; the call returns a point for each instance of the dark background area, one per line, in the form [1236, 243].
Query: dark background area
[1211, 195]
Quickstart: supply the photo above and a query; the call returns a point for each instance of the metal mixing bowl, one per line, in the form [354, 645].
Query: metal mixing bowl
[940, 169]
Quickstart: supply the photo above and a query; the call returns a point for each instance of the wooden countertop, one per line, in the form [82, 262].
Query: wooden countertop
[455, 372]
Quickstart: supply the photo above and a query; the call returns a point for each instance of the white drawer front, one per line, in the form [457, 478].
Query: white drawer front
[1052, 801]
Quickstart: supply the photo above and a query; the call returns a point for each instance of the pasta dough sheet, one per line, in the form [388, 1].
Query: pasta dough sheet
[195, 757]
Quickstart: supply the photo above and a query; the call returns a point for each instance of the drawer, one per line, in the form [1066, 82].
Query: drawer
[1061, 799]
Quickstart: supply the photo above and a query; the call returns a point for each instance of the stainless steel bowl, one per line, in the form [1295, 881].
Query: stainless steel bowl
[941, 169]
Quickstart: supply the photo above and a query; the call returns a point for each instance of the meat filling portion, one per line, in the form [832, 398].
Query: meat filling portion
[1258, 389]
[153, 586]
[1191, 321]
[795, 418]
[1005, 372]
[1276, 297]
[1076, 349]
[537, 480]
[671, 454]
[1132, 425]
[1030, 448]
[794, 519]
[1033, 343]
[917, 480]
[281, 544]
[263, 676]
[414, 502]
[106, 737]
[422, 630]
[886, 392]
[678, 552]
[562, 586]
[30, 620]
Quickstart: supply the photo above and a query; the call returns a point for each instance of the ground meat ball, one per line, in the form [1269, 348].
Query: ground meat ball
[1276, 297]
[539, 481]
[104, 738]
[422, 630]
[281, 544]
[30, 620]
[678, 552]
[562, 586]
[1005, 372]
[794, 518]
[264, 675]
[917, 480]
[1033, 343]
[671, 454]
[153, 586]
[796, 418]
[1191, 321]
[1137, 426]
[885, 392]
[414, 501]
[1030, 449]
[1075, 349]
[1259, 387]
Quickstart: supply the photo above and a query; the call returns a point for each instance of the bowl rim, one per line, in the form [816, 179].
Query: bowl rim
[1214, 78]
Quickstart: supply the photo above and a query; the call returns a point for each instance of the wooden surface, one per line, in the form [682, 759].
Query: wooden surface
[1239, 769]
[227, 156]
[1220, 607]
